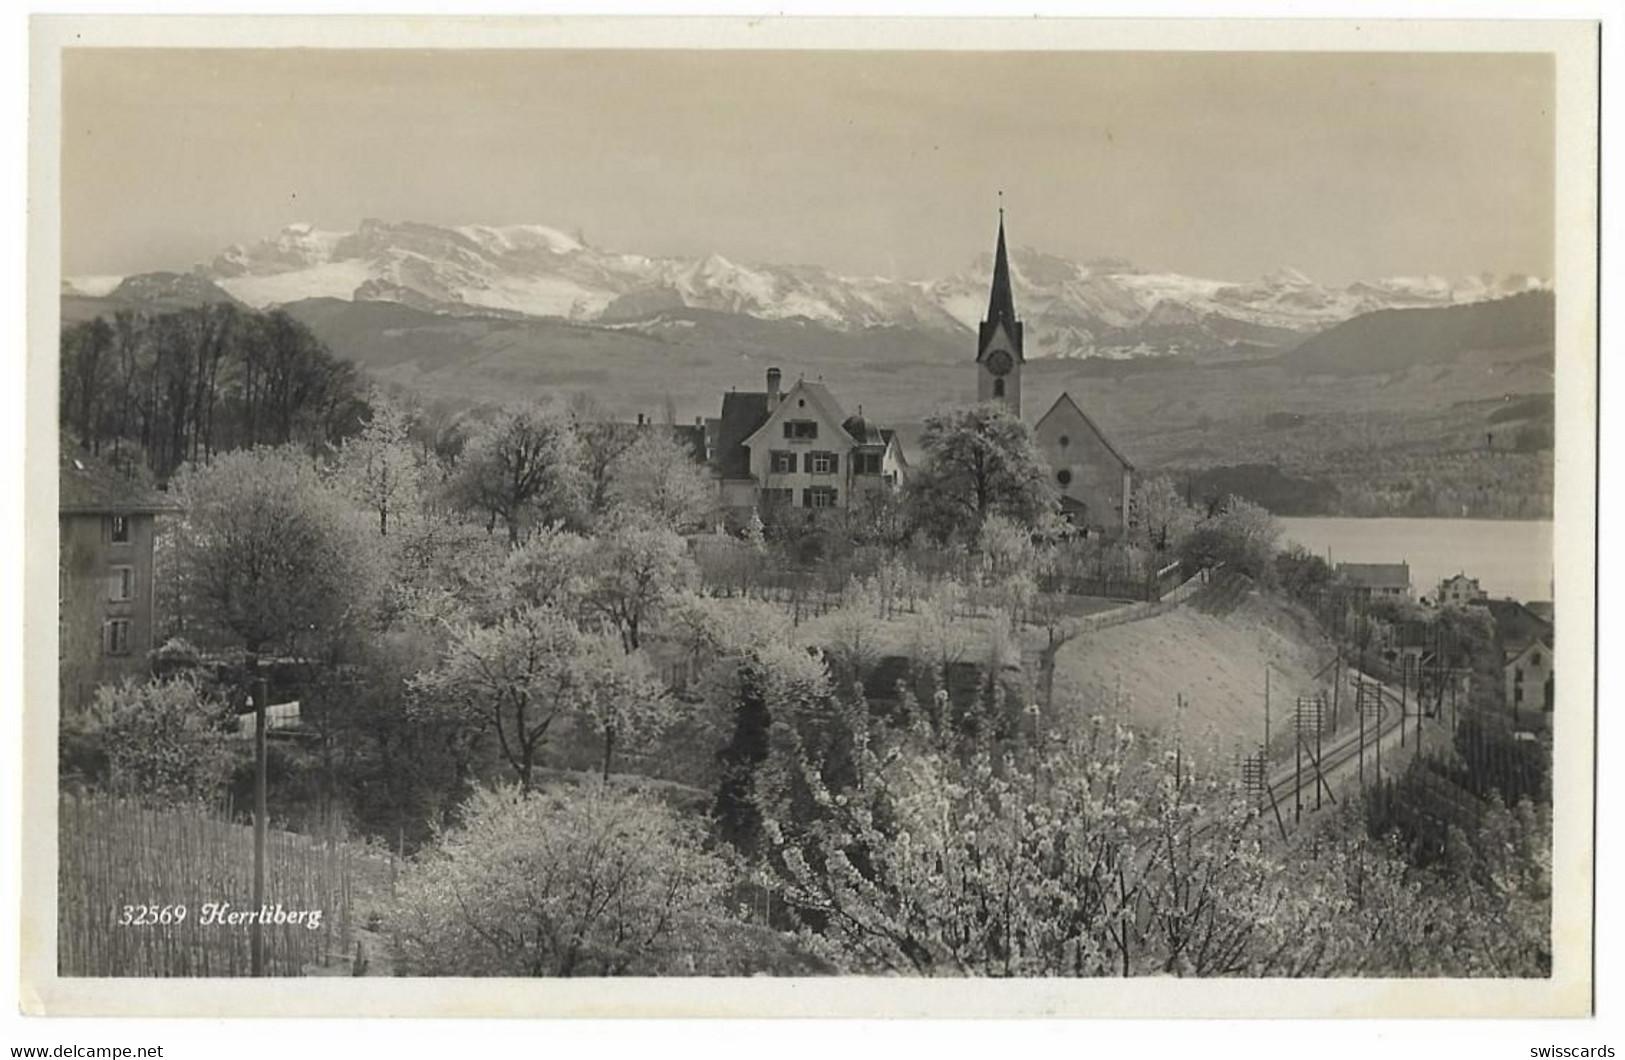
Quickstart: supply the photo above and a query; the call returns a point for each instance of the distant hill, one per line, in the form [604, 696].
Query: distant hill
[1096, 308]
[1263, 484]
[1394, 340]
[153, 292]
[690, 355]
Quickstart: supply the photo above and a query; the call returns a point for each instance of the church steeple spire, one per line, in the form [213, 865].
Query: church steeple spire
[999, 340]
[1001, 303]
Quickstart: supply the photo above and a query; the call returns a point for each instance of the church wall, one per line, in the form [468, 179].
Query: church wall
[1096, 475]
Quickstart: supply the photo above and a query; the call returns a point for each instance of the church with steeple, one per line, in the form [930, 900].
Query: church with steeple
[1094, 479]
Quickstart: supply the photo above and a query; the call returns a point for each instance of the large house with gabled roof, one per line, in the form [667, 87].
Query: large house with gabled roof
[776, 449]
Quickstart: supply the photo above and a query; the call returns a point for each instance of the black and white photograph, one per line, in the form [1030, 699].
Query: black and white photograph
[739, 508]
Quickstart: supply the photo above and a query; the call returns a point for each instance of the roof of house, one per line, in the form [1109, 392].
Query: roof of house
[908, 438]
[1515, 657]
[863, 431]
[1377, 575]
[746, 412]
[692, 438]
[743, 413]
[88, 486]
[1459, 578]
[1066, 399]
[822, 400]
[895, 440]
[1516, 625]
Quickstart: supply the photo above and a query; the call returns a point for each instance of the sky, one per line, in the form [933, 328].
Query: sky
[1343, 165]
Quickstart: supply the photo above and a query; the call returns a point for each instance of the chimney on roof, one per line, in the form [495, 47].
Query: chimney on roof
[640, 419]
[773, 379]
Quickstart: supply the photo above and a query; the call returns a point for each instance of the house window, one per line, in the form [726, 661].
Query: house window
[123, 584]
[822, 463]
[784, 462]
[1517, 694]
[800, 430]
[819, 497]
[116, 637]
[118, 529]
[998, 388]
[1517, 673]
[866, 463]
[1064, 477]
[1065, 441]
[1535, 659]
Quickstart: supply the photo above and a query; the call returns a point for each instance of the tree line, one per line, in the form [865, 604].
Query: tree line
[154, 391]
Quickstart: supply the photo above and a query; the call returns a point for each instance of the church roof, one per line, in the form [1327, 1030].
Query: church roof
[1001, 302]
[1066, 400]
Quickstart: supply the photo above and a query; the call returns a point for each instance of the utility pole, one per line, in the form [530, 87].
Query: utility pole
[1337, 681]
[1297, 771]
[256, 930]
[1266, 712]
[1404, 674]
[1320, 719]
[1379, 733]
[1179, 741]
[1359, 708]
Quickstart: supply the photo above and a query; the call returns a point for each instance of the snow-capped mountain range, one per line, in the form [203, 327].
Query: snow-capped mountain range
[1104, 307]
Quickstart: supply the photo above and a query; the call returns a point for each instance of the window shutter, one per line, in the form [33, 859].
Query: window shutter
[806, 498]
[834, 463]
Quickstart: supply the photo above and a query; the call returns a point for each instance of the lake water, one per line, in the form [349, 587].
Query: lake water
[1508, 557]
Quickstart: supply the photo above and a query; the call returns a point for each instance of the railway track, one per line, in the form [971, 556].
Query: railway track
[1339, 753]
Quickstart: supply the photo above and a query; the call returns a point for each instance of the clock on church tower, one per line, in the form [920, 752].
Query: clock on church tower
[998, 349]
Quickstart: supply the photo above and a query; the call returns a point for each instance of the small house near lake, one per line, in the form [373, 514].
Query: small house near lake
[1376, 581]
[1459, 589]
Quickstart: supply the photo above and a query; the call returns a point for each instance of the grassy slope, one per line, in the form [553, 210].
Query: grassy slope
[1213, 652]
